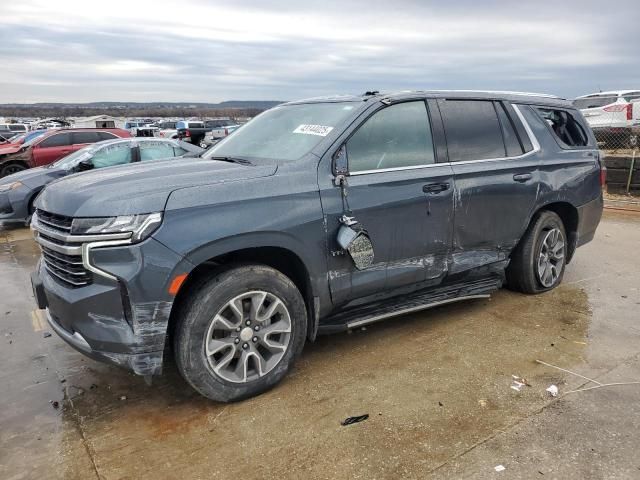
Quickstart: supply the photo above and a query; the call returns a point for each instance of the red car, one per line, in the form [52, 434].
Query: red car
[53, 146]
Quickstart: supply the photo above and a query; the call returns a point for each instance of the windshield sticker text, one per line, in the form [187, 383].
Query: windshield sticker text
[320, 130]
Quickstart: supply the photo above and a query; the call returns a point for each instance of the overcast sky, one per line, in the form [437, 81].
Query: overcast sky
[200, 50]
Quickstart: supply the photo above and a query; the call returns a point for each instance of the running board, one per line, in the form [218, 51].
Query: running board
[360, 316]
[426, 306]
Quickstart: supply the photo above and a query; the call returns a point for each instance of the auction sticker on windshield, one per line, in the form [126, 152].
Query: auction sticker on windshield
[320, 130]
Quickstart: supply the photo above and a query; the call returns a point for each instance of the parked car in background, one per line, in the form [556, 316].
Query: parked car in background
[614, 116]
[18, 191]
[192, 131]
[316, 216]
[52, 146]
[168, 130]
[220, 128]
[141, 129]
[13, 128]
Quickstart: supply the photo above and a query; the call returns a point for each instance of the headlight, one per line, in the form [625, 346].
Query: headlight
[10, 186]
[140, 226]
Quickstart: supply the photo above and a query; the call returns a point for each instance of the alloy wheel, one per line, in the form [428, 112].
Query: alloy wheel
[551, 257]
[248, 336]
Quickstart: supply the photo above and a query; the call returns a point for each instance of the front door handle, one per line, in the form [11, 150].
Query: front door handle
[435, 187]
[522, 177]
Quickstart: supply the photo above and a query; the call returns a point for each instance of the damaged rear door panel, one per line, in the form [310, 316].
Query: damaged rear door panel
[496, 173]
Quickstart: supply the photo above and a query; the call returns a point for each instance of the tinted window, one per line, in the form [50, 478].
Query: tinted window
[58, 140]
[396, 136]
[112, 155]
[106, 136]
[17, 128]
[85, 137]
[632, 96]
[511, 141]
[565, 127]
[594, 102]
[472, 130]
[155, 150]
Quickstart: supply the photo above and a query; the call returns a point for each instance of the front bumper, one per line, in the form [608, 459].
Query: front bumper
[122, 321]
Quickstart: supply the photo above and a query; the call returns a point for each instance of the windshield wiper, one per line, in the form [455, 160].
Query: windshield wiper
[241, 161]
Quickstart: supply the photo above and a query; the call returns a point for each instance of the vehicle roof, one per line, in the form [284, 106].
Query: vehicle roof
[609, 93]
[519, 97]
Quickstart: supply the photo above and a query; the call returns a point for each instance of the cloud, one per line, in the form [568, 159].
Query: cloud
[73, 50]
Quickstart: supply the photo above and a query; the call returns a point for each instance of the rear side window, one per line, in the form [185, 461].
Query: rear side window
[112, 155]
[106, 136]
[396, 136]
[85, 137]
[511, 142]
[17, 128]
[472, 129]
[58, 140]
[564, 126]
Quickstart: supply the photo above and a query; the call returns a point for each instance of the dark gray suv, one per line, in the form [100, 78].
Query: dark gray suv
[317, 216]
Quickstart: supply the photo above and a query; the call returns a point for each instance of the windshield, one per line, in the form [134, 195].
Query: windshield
[594, 102]
[75, 158]
[287, 132]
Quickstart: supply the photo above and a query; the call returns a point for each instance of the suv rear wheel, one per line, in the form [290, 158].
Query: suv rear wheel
[240, 333]
[538, 262]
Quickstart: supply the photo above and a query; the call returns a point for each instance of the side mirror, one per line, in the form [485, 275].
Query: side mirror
[340, 161]
[84, 165]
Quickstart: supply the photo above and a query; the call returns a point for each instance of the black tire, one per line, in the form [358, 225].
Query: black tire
[11, 168]
[523, 271]
[195, 317]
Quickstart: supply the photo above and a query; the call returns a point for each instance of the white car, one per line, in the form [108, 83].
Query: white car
[614, 116]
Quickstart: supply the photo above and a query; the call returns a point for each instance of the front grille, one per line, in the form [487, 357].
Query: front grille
[67, 268]
[59, 223]
[61, 255]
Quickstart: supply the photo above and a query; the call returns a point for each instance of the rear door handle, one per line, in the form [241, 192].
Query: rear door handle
[522, 177]
[435, 187]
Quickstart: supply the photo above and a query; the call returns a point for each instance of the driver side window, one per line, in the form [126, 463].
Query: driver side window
[396, 136]
[112, 155]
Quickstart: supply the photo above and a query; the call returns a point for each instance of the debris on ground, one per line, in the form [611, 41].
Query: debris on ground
[46, 334]
[356, 419]
[519, 382]
[499, 468]
[482, 402]
[441, 404]
[123, 397]
[553, 390]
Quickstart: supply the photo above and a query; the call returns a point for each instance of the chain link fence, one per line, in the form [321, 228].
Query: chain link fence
[615, 121]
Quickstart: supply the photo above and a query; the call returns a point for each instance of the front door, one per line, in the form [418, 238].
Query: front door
[402, 198]
[52, 148]
[496, 175]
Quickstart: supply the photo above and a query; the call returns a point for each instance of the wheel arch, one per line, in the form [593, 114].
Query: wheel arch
[282, 258]
[568, 213]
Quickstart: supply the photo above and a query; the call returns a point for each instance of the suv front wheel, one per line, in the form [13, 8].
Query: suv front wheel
[538, 262]
[240, 333]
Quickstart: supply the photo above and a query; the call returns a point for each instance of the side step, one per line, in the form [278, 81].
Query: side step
[415, 302]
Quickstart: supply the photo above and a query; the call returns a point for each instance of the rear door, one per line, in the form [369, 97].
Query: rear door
[496, 177]
[52, 148]
[392, 165]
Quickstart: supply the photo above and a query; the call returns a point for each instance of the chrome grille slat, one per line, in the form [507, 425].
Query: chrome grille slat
[61, 251]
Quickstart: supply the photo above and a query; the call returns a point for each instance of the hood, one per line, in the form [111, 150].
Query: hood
[138, 188]
[8, 148]
[34, 177]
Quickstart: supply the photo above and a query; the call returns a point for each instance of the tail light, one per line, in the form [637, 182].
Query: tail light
[226, 132]
[187, 133]
[630, 111]
[615, 108]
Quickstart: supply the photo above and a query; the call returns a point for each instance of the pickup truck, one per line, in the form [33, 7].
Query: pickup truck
[317, 216]
[205, 133]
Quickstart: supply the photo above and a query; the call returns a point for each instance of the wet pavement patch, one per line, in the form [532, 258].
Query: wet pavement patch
[437, 388]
